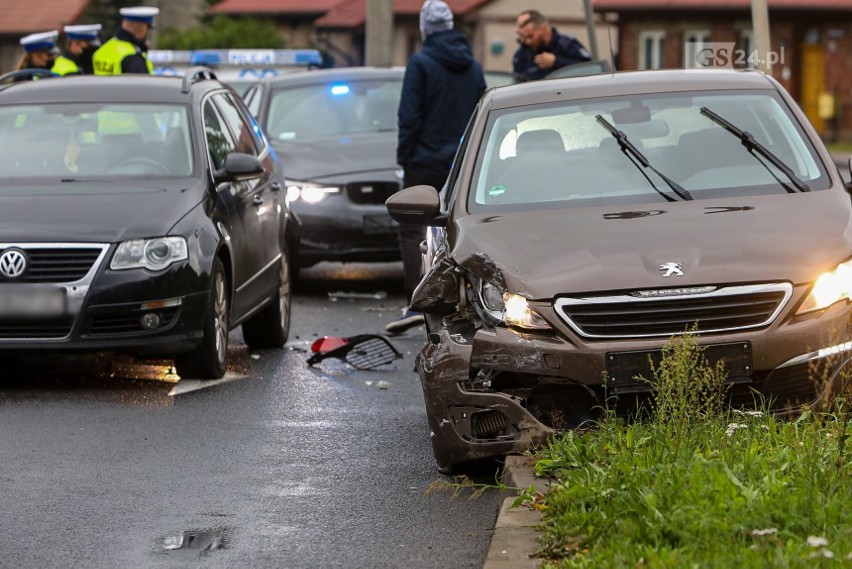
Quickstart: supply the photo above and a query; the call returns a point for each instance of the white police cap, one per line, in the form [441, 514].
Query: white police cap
[42, 41]
[87, 32]
[140, 14]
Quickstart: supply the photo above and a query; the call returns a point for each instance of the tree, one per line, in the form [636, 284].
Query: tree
[224, 32]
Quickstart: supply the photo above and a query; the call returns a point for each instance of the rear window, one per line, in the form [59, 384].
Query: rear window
[332, 110]
[564, 155]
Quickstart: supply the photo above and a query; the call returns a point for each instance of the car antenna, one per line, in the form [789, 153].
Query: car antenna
[609, 36]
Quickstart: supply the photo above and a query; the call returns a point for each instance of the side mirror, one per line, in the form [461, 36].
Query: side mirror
[417, 205]
[239, 167]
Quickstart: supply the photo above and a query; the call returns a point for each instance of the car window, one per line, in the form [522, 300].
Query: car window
[315, 112]
[220, 141]
[252, 99]
[562, 153]
[243, 133]
[94, 140]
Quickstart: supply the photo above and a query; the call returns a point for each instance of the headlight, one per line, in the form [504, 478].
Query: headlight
[518, 313]
[309, 193]
[829, 288]
[154, 254]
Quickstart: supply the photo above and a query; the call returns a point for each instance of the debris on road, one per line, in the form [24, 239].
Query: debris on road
[365, 351]
[335, 296]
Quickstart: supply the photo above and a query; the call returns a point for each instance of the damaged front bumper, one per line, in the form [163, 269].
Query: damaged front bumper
[493, 391]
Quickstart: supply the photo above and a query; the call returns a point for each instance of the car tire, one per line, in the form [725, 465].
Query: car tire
[210, 358]
[270, 327]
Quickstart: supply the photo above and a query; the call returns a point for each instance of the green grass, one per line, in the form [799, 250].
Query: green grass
[840, 147]
[699, 487]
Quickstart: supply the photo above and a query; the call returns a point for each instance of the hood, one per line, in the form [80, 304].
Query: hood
[451, 49]
[790, 237]
[327, 159]
[89, 212]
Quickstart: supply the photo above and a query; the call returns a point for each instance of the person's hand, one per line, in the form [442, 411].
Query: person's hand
[72, 151]
[545, 60]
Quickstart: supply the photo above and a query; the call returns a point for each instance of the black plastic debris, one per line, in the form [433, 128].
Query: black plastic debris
[365, 351]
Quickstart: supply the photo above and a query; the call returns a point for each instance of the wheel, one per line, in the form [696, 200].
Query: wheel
[139, 165]
[209, 359]
[270, 327]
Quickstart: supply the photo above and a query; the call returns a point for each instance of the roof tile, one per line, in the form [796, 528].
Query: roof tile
[671, 5]
[21, 17]
[352, 13]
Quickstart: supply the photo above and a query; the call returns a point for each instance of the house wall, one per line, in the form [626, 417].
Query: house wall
[792, 33]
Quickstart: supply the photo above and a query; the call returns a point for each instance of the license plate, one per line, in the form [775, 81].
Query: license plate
[378, 225]
[31, 302]
[624, 367]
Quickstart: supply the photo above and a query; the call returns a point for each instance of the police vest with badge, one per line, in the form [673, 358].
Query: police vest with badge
[127, 52]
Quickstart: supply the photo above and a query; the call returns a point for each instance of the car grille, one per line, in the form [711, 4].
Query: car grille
[58, 264]
[51, 328]
[626, 316]
[371, 192]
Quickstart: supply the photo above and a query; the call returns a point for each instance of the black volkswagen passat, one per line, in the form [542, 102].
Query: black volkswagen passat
[336, 131]
[139, 214]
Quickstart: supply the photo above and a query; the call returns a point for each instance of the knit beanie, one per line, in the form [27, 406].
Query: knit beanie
[435, 16]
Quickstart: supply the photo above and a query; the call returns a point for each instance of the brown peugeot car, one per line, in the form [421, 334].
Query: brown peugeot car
[588, 220]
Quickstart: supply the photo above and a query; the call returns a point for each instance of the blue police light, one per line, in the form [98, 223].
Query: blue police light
[340, 89]
[205, 58]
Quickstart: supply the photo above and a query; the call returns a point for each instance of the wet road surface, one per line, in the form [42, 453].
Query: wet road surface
[108, 462]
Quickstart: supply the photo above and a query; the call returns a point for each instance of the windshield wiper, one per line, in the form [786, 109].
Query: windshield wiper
[753, 145]
[627, 146]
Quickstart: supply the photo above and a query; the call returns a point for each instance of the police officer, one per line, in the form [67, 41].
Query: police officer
[40, 51]
[542, 48]
[127, 51]
[80, 45]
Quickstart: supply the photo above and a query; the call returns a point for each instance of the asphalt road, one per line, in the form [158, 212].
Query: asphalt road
[107, 462]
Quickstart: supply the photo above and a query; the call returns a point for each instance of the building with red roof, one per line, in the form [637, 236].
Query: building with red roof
[811, 46]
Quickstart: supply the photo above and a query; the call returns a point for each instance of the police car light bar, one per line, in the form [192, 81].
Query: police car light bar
[294, 57]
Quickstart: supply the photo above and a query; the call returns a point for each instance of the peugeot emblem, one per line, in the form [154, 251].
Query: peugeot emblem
[672, 269]
[13, 263]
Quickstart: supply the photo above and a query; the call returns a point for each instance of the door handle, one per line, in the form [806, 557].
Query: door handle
[275, 186]
[257, 199]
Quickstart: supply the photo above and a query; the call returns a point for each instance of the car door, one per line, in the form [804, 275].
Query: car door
[244, 229]
[265, 191]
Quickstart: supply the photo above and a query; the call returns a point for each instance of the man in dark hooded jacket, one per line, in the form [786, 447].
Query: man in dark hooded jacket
[442, 84]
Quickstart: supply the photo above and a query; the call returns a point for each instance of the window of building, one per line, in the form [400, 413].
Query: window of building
[694, 41]
[651, 44]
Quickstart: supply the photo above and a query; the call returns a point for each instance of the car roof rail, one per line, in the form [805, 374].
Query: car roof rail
[25, 75]
[195, 74]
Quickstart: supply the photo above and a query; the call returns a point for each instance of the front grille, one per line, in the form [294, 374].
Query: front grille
[49, 328]
[792, 386]
[727, 309]
[371, 192]
[127, 321]
[58, 265]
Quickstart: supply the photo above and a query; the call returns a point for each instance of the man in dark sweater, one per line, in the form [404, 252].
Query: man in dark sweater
[542, 48]
[442, 85]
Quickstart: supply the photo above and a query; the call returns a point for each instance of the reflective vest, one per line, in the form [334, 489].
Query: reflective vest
[65, 66]
[107, 59]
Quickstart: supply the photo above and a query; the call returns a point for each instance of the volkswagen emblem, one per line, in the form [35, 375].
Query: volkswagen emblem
[13, 263]
[672, 269]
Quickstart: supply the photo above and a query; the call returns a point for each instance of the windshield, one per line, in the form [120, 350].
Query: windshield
[562, 155]
[332, 110]
[93, 140]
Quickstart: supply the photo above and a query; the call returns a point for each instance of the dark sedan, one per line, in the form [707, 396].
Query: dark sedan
[336, 133]
[139, 214]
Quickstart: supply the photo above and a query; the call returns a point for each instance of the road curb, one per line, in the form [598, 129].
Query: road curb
[515, 538]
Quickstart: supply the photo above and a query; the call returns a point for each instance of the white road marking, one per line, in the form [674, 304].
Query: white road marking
[190, 385]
